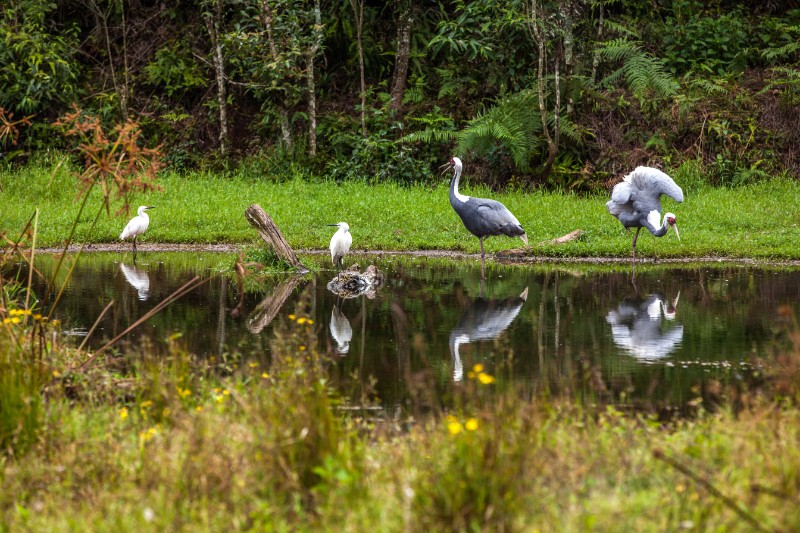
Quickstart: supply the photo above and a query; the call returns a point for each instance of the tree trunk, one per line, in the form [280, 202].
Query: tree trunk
[537, 20]
[212, 25]
[358, 10]
[596, 56]
[260, 220]
[286, 132]
[312, 96]
[404, 22]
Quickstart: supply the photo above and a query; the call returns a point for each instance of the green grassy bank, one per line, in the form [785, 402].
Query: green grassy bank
[760, 220]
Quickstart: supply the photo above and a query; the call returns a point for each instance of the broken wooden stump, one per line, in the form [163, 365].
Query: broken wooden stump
[351, 283]
[266, 227]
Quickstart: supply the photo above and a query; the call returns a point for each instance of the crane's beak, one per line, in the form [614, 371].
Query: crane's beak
[675, 227]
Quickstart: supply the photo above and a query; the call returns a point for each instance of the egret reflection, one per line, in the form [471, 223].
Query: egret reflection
[138, 279]
[638, 326]
[482, 319]
[341, 331]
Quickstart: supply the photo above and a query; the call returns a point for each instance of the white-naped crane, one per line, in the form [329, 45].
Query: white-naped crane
[636, 202]
[483, 217]
[340, 243]
[137, 225]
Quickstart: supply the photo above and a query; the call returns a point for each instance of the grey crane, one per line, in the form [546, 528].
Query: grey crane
[482, 217]
[636, 202]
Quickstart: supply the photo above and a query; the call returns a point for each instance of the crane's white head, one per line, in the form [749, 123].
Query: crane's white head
[453, 164]
[673, 222]
[143, 208]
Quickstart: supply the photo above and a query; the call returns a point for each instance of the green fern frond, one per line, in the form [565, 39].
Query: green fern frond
[428, 135]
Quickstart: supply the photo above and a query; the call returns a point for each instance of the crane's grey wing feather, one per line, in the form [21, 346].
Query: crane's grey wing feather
[654, 183]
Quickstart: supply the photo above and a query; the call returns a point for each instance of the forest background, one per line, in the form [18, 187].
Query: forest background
[562, 94]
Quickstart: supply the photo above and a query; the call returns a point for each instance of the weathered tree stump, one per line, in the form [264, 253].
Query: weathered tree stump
[266, 227]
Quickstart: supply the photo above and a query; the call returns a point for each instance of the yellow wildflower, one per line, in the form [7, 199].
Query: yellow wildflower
[123, 413]
[302, 347]
[309, 321]
[226, 392]
[478, 368]
[301, 320]
[6, 321]
[471, 424]
[252, 365]
[454, 427]
[15, 320]
[265, 375]
[56, 373]
[198, 408]
[291, 317]
[485, 378]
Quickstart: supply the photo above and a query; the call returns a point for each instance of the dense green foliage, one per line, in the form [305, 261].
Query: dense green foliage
[618, 84]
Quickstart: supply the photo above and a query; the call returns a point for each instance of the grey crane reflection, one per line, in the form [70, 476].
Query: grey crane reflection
[638, 326]
[483, 319]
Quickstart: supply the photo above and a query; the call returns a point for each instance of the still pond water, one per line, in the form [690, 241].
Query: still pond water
[675, 334]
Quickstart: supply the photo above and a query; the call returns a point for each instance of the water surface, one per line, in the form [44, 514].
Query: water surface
[673, 334]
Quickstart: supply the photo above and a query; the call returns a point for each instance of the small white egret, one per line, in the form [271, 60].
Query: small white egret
[137, 225]
[340, 243]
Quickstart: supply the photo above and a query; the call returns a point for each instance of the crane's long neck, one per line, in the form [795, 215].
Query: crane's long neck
[653, 227]
[455, 196]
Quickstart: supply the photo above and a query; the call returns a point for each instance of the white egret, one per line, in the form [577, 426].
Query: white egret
[340, 243]
[137, 226]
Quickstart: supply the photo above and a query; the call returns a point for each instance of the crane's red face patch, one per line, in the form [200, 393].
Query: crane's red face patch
[671, 220]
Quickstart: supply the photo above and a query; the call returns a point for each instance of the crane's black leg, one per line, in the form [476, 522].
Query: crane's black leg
[134, 244]
[633, 247]
[482, 256]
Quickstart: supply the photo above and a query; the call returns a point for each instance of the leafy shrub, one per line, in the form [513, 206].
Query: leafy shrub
[695, 40]
[38, 66]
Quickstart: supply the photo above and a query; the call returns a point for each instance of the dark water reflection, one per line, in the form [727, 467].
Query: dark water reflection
[679, 332]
